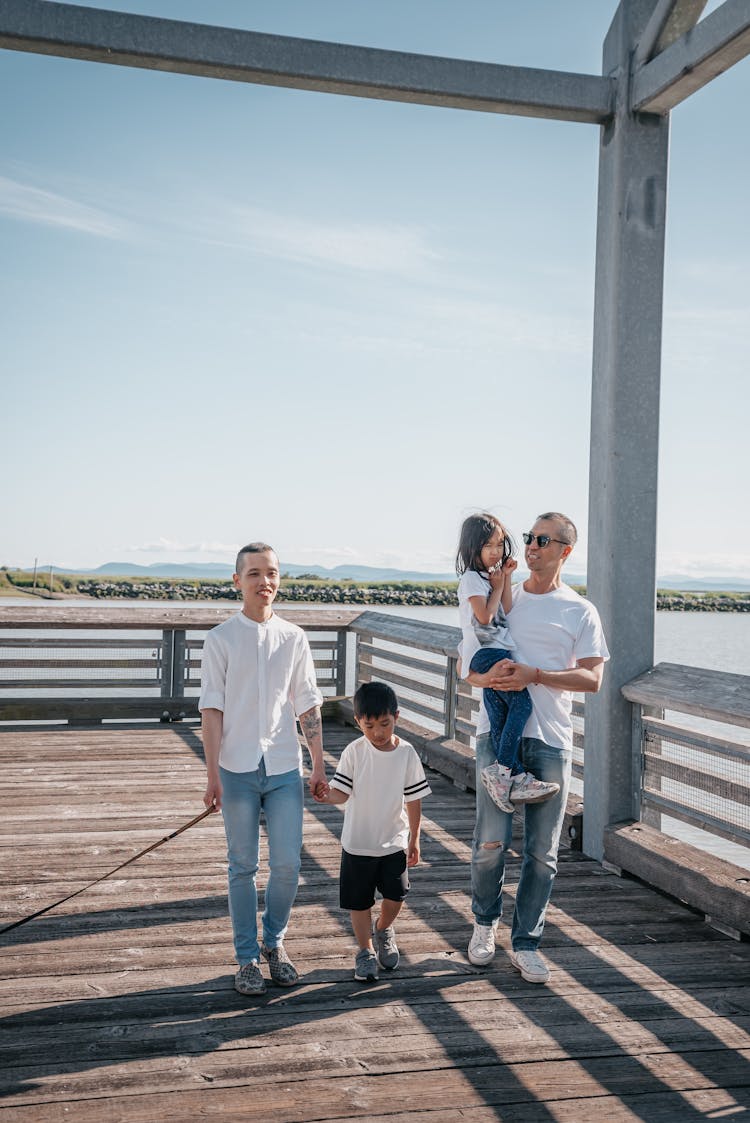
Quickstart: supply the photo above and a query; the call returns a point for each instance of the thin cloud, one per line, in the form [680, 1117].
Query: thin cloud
[24, 203]
[170, 546]
[705, 565]
[366, 247]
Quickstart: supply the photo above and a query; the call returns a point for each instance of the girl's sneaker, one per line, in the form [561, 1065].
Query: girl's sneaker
[527, 789]
[498, 782]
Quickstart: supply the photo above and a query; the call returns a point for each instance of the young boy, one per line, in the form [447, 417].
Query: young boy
[257, 676]
[381, 781]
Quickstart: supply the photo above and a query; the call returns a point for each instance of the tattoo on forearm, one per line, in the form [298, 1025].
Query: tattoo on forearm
[312, 725]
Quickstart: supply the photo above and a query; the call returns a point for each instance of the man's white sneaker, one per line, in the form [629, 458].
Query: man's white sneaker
[482, 944]
[531, 965]
[527, 789]
[498, 782]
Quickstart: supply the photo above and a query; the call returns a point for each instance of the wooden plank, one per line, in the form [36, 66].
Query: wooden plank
[716, 695]
[416, 684]
[716, 887]
[657, 766]
[369, 651]
[53, 615]
[73, 709]
[659, 730]
[420, 634]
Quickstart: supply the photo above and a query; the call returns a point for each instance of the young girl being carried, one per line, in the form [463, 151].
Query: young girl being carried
[484, 564]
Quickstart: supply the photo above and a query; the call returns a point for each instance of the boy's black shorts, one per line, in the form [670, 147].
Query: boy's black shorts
[362, 874]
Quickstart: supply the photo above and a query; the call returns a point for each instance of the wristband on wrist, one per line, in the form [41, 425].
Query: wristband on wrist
[537, 676]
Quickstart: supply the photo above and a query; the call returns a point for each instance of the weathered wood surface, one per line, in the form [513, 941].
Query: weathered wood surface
[423, 634]
[718, 888]
[717, 695]
[149, 617]
[119, 1005]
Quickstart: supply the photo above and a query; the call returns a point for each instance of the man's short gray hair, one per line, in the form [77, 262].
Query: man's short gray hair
[567, 531]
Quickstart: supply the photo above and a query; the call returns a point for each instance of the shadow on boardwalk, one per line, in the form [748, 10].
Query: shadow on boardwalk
[122, 1004]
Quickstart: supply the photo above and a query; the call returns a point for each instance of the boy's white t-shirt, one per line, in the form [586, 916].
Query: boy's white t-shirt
[552, 631]
[378, 784]
[474, 584]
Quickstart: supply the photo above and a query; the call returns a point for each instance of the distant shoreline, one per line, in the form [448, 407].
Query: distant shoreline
[317, 591]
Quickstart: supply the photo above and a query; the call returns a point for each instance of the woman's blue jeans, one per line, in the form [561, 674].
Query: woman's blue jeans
[280, 798]
[508, 710]
[542, 828]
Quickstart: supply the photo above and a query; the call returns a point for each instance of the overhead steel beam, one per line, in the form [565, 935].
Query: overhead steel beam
[670, 20]
[123, 39]
[711, 47]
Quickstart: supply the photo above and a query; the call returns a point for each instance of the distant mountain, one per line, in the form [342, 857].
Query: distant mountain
[704, 584]
[221, 571]
[218, 571]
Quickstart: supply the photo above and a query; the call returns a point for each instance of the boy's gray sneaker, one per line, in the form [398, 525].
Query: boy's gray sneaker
[282, 970]
[385, 947]
[498, 782]
[366, 966]
[482, 944]
[249, 980]
[527, 789]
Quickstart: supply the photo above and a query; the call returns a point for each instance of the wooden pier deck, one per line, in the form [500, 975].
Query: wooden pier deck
[120, 1006]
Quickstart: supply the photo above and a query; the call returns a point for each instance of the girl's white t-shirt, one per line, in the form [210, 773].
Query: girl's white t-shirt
[378, 784]
[552, 631]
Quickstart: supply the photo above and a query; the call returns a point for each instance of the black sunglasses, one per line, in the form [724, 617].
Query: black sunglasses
[542, 540]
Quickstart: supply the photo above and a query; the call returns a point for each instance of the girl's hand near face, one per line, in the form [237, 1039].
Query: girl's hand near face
[496, 577]
[510, 565]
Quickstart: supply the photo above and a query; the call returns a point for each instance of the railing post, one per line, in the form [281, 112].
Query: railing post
[451, 687]
[341, 647]
[167, 662]
[178, 663]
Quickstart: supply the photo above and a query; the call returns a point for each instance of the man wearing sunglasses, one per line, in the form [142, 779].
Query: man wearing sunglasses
[561, 650]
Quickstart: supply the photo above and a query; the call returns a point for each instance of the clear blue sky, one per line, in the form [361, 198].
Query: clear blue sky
[235, 312]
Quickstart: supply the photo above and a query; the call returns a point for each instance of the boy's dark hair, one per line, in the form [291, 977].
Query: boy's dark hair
[252, 548]
[373, 699]
[476, 531]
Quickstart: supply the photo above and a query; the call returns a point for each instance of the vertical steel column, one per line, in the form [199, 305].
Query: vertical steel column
[624, 423]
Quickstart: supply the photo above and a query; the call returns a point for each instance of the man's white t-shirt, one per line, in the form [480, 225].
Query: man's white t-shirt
[552, 631]
[378, 784]
[262, 677]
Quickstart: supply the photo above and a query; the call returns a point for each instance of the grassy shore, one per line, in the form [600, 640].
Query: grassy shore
[305, 590]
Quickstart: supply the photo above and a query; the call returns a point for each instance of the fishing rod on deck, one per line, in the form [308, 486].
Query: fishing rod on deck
[140, 854]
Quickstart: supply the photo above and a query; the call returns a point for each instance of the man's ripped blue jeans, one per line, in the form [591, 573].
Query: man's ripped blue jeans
[543, 824]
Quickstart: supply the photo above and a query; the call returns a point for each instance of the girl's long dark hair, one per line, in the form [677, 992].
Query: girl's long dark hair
[476, 532]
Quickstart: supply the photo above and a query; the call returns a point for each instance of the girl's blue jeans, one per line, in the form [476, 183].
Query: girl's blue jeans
[280, 798]
[542, 827]
[508, 710]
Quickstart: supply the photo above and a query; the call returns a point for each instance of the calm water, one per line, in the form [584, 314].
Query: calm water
[719, 640]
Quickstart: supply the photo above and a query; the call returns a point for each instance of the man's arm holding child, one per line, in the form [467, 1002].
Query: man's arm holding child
[585, 677]
[212, 723]
[312, 728]
[414, 815]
